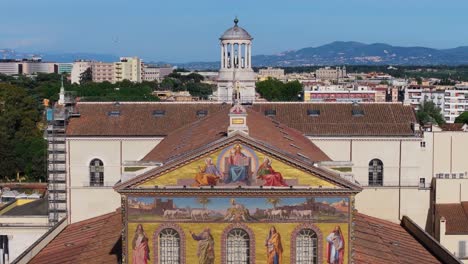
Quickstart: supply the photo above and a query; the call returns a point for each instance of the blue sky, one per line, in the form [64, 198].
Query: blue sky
[188, 30]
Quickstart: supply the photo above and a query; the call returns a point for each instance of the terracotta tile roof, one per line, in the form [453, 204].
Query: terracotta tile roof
[452, 127]
[214, 127]
[381, 241]
[456, 216]
[335, 119]
[135, 119]
[372, 244]
[96, 240]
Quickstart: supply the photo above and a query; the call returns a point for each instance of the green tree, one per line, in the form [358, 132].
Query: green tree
[462, 118]
[274, 201]
[275, 90]
[429, 112]
[200, 90]
[21, 143]
[204, 201]
[86, 76]
[419, 80]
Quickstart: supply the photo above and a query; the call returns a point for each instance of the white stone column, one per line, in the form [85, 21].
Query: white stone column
[250, 55]
[232, 56]
[225, 47]
[222, 56]
[246, 56]
[239, 55]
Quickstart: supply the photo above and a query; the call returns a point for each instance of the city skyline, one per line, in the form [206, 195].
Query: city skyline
[183, 32]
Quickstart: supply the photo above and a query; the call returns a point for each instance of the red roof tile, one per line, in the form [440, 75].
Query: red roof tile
[335, 119]
[215, 126]
[381, 241]
[456, 216]
[452, 127]
[96, 240]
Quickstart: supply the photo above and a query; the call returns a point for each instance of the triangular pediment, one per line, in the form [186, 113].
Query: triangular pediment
[239, 161]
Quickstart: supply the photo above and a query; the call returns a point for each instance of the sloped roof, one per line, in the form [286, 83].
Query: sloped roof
[96, 240]
[135, 119]
[101, 243]
[456, 216]
[214, 127]
[335, 119]
[452, 127]
[381, 241]
[37, 207]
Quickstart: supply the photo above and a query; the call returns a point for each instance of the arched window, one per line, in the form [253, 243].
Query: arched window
[306, 247]
[169, 246]
[375, 172]
[238, 247]
[96, 173]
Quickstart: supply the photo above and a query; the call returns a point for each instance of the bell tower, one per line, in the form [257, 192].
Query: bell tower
[236, 80]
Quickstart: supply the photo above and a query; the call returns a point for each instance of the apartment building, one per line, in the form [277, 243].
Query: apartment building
[456, 102]
[155, 73]
[128, 68]
[270, 72]
[102, 72]
[329, 73]
[78, 68]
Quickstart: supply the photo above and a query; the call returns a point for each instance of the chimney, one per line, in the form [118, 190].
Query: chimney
[238, 120]
[442, 229]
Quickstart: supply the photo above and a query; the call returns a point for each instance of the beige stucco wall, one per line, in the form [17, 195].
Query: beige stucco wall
[405, 161]
[360, 151]
[451, 191]
[385, 203]
[85, 202]
[450, 150]
[88, 202]
[450, 242]
[20, 238]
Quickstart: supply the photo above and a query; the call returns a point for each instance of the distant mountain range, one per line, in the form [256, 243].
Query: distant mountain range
[335, 53]
[355, 53]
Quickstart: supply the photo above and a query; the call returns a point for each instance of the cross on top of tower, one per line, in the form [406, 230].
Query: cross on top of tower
[236, 21]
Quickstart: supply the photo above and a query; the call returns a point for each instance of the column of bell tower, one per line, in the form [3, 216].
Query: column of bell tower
[236, 79]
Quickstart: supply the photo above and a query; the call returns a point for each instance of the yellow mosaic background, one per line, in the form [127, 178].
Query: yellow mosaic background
[260, 230]
[188, 172]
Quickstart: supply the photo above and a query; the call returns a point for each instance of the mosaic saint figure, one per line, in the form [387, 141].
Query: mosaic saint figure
[335, 247]
[207, 175]
[274, 247]
[238, 166]
[237, 212]
[269, 176]
[140, 246]
[205, 252]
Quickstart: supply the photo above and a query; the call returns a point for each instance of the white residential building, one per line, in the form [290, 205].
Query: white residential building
[78, 68]
[456, 102]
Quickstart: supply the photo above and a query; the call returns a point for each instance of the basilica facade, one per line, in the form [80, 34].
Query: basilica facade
[235, 195]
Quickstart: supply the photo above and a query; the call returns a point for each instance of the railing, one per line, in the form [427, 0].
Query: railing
[99, 185]
[57, 196]
[57, 167]
[57, 157]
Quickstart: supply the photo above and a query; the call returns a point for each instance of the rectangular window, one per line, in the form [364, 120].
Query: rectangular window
[461, 249]
[422, 144]
[422, 182]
